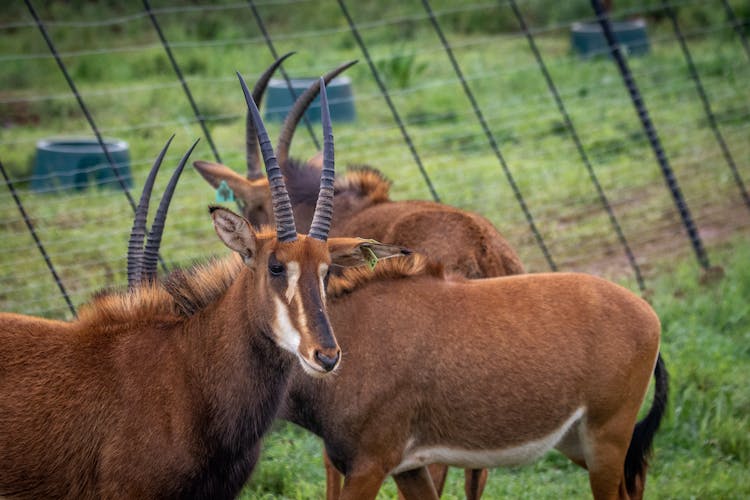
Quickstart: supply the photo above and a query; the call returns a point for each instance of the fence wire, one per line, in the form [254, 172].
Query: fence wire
[547, 108]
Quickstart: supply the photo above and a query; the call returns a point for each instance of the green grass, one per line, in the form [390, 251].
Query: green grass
[702, 450]
[134, 95]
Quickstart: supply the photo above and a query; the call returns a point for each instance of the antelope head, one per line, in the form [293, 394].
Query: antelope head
[288, 270]
[252, 191]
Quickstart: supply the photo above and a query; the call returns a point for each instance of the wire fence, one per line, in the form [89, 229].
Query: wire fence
[607, 162]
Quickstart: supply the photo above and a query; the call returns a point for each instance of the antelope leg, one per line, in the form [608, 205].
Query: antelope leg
[439, 473]
[474, 482]
[363, 483]
[416, 484]
[333, 479]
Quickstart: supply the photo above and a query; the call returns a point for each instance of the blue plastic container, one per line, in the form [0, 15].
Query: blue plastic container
[588, 40]
[74, 163]
[340, 99]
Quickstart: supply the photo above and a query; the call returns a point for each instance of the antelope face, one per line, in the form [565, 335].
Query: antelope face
[297, 275]
[288, 295]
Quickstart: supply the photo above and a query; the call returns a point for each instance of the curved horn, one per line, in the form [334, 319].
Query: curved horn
[321, 222]
[282, 206]
[138, 232]
[251, 140]
[151, 252]
[299, 108]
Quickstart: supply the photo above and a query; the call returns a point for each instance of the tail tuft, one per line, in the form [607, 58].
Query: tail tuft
[636, 460]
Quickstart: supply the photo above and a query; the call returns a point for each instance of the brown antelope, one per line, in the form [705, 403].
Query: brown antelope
[474, 249]
[164, 390]
[483, 373]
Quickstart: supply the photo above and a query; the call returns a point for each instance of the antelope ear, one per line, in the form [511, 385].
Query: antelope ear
[246, 192]
[214, 173]
[235, 231]
[352, 252]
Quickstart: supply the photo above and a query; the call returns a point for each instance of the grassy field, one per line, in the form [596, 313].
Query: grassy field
[129, 87]
[702, 450]
[115, 58]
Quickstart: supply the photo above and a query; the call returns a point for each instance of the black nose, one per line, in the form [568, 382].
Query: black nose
[327, 362]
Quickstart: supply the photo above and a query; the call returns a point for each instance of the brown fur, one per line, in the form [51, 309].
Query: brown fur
[355, 278]
[181, 294]
[466, 243]
[194, 289]
[368, 182]
[158, 391]
[478, 365]
[500, 351]
[185, 292]
[133, 400]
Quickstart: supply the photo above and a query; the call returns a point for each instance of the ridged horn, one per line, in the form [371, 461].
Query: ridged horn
[300, 106]
[151, 252]
[321, 223]
[138, 232]
[282, 206]
[251, 139]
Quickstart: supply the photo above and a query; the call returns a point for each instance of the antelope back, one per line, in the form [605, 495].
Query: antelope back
[464, 242]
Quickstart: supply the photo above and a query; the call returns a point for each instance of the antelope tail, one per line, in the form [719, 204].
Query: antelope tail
[636, 461]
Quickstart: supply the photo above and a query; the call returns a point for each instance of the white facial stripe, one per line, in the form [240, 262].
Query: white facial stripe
[292, 276]
[287, 337]
[322, 271]
[301, 318]
[417, 456]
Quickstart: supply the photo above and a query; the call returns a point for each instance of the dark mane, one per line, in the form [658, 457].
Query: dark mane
[353, 278]
[366, 182]
[303, 182]
[180, 294]
[116, 306]
[196, 287]
[184, 292]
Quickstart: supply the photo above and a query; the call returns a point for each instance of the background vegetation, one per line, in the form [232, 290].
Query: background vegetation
[118, 64]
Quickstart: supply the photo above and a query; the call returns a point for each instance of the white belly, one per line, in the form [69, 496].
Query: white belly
[417, 456]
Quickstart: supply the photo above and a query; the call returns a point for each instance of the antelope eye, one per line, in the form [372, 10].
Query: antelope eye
[275, 267]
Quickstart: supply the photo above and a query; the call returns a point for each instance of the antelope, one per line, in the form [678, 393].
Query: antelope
[363, 207]
[475, 248]
[483, 373]
[165, 389]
